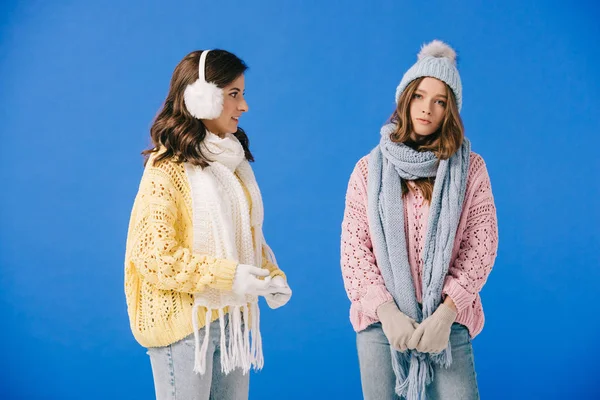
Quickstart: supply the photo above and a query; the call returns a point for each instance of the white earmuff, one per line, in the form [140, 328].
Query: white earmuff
[204, 100]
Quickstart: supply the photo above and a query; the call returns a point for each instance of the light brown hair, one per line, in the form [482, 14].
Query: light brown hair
[443, 143]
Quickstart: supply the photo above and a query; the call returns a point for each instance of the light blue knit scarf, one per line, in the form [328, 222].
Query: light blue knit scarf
[389, 164]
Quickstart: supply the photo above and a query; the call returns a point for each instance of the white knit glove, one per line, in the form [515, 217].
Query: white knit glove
[280, 293]
[397, 326]
[245, 280]
[432, 335]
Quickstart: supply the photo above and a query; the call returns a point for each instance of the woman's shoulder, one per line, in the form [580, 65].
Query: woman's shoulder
[166, 171]
[361, 168]
[476, 164]
[169, 166]
[363, 162]
[478, 176]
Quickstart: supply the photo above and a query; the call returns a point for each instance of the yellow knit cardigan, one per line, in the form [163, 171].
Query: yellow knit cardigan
[161, 270]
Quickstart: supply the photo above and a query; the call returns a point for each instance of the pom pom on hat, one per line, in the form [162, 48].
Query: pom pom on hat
[437, 49]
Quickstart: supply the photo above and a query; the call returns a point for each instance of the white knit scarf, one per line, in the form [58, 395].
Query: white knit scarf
[223, 227]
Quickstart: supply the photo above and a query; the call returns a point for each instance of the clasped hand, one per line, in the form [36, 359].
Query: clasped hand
[403, 333]
[247, 280]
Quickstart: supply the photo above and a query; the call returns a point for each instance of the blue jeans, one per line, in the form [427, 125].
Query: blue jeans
[174, 376]
[458, 382]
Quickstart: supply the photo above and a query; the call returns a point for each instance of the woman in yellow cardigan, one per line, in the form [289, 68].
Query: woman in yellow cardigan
[196, 259]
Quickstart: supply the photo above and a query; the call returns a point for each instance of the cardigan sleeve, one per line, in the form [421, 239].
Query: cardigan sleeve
[154, 250]
[479, 241]
[269, 262]
[362, 278]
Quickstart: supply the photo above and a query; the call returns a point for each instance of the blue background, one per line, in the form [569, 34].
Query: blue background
[81, 81]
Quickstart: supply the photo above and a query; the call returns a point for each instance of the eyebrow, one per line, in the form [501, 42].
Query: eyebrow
[438, 95]
[235, 89]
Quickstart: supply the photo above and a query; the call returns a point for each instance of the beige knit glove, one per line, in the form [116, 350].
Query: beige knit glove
[398, 328]
[433, 334]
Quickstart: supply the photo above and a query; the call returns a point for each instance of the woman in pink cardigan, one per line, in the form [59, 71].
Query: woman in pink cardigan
[419, 239]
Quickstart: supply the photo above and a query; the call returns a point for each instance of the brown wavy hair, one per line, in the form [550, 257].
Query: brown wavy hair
[443, 143]
[175, 133]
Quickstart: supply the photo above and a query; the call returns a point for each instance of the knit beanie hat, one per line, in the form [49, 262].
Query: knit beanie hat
[436, 60]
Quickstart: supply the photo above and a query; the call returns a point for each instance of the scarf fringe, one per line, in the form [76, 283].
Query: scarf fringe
[241, 344]
[400, 371]
[201, 350]
[256, 352]
[414, 371]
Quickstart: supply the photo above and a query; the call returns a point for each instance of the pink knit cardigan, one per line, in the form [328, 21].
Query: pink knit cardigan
[473, 254]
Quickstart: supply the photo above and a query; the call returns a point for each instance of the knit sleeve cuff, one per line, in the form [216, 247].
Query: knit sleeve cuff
[223, 272]
[462, 298]
[278, 272]
[273, 269]
[376, 295]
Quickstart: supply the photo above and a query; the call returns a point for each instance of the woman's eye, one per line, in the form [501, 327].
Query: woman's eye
[417, 96]
[441, 103]
[234, 94]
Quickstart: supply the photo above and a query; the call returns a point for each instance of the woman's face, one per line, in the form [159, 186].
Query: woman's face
[427, 107]
[234, 105]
